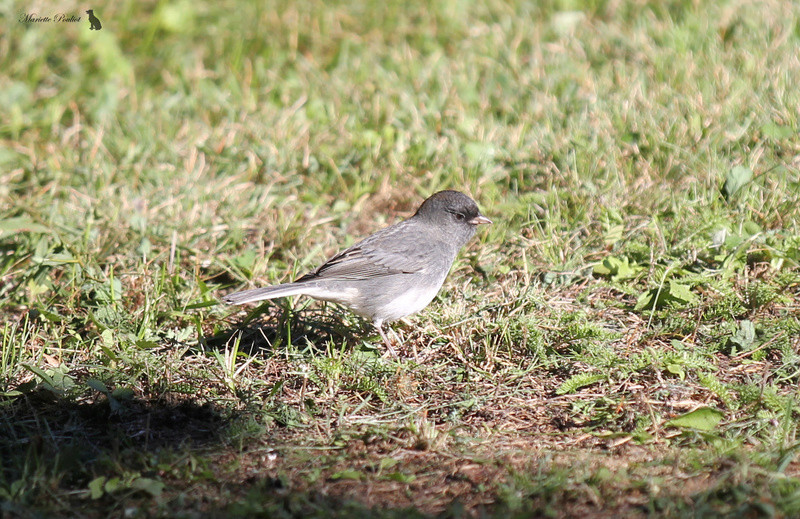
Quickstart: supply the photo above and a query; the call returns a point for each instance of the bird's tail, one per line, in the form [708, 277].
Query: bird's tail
[258, 294]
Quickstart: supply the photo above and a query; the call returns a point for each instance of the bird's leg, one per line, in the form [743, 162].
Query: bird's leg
[389, 349]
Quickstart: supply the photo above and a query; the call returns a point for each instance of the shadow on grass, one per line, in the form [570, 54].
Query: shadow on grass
[61, 450]
[272, 327]
[53, 444]
[62, 458]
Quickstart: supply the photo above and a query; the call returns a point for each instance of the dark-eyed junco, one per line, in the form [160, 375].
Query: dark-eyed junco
[393, 273]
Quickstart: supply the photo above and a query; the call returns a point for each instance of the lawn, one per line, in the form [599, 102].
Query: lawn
[623, 341]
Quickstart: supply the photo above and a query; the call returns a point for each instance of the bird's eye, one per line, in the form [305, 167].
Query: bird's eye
[460, 217]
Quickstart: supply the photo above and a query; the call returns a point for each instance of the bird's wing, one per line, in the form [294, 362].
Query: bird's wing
[358, 263]
[381, 254]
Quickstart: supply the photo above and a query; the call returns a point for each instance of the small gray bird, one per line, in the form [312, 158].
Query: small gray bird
[393, 273]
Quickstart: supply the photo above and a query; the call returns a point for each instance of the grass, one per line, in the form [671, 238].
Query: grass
[622, 341]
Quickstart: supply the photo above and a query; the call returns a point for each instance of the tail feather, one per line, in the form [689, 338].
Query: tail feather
[258, 294]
